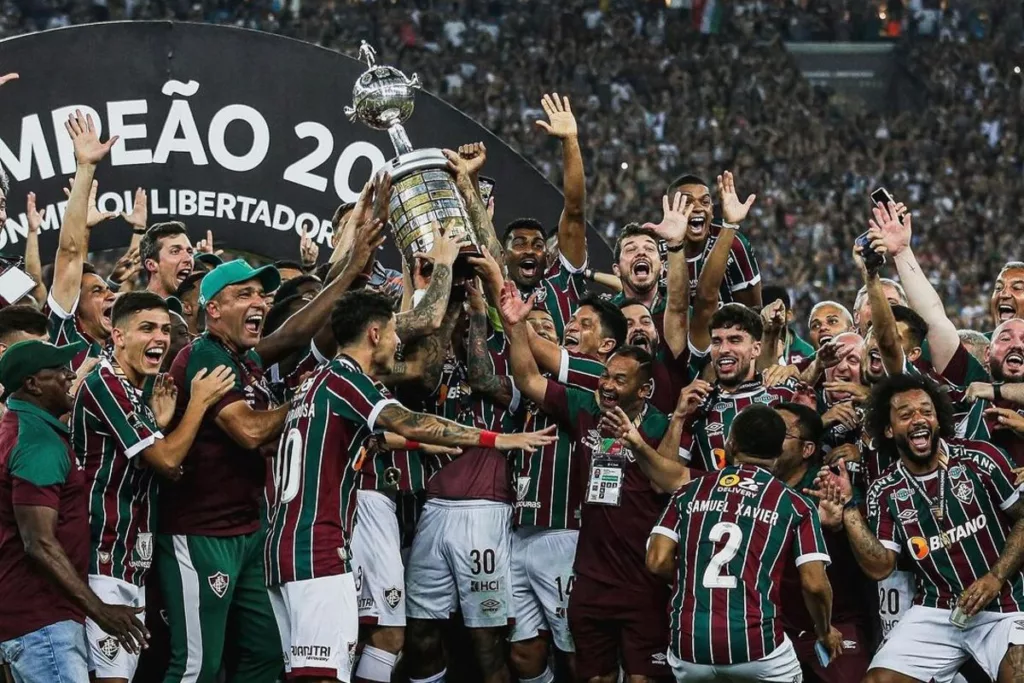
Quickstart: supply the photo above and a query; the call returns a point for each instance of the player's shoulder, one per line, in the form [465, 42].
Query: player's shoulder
[205, 352]
[975, 454]
[890, 481]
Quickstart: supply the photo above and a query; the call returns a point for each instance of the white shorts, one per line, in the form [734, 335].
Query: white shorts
[106, 656]
[895, 597]
[460, 558]
[319, 624]
[377, 561]
[541, 582]
[781, 666]
[925, 646]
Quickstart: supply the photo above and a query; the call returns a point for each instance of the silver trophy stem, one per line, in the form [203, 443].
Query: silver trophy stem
[399, 138]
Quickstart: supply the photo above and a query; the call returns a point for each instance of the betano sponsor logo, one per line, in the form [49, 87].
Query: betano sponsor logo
[920, 547]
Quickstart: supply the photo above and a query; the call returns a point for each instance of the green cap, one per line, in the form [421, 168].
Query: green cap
[26, 358]
[233, 272]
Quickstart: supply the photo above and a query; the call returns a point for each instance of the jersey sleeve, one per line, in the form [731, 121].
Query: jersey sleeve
[38, 467]
[669, 522]
[360, 399]
[579, 371]
[809, 542]
[208, 356]
[880, 519]
[742, 271]
[135, 430]
[997, 474]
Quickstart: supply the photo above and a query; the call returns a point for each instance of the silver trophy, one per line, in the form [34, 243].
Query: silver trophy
[423, 189]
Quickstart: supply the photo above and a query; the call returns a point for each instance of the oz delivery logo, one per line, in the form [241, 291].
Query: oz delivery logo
[44, 150]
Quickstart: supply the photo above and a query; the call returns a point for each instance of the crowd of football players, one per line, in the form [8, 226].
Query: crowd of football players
[500, 463]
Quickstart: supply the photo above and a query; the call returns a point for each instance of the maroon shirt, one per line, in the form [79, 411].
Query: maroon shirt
[668, 375]
[38, 468]
[612, 546]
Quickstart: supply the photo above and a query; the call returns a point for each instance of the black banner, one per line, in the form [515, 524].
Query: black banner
[226, 129]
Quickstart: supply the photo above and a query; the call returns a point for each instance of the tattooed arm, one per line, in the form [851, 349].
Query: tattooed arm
[424, 358]
[875, 560]
[480, 220]
[482, 378]
[441, 432]
[427, 317]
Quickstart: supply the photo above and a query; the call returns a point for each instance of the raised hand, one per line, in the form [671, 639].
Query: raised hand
[773, 316]
[94, 217]
[562, 122]
[8, 77]
[511, 305]
[127, 266]
[674, 219]
[875, 242]
[618, 424]
[163, 400]
[475, 156]
[842, 413]
[205, 246]
[35, 218]
[367, 239]
[831, 352]
[733, 210]
[857, 391]
[382, 197]
[445, 248]
[776, 375]
[691, 397]
[474, 296]
[983, 390]
[528, 442]
[1006, 419]
[88, 148]
[210, 386]
[139, 216]
[308, 251]
[461, 167]
[893, 224]
[487, 267]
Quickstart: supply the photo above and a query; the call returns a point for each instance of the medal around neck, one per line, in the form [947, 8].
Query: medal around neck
[423, 189]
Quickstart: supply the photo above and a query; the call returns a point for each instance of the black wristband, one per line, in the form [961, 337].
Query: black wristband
[138, 231]
[997, 391]
[675, 249]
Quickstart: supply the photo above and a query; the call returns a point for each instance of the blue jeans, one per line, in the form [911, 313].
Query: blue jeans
[52, 654]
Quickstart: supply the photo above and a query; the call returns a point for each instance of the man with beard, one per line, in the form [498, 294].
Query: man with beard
[742, 281]
[80, 300]
[995, 402]
[1008, 294]
[797, 466]
[953, 507]
[616, 609]
[166, 255]
[210, 541]
[726, 540]
[735, 333]
[560, 285]
[118, 438]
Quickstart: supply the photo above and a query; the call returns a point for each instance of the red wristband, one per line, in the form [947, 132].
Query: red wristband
[488, 439]
[411, 445]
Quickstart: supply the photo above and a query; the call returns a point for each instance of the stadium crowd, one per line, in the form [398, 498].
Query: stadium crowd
[210, 470]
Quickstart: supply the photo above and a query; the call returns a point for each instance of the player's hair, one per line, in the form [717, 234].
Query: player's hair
[821, 304]
[5, 182]
[149, 246]
[282, 309]
[641, 356]
[808, 420]
[340, 213]
[1009, 265]
[21, 318]
[916, 325]
[289, 288]
[686, 179]
[632, 230]
[288, 263]
[877, 409]
[862, 293]
[758, 431]
[189, 284]
[131, 303]
[773, 293]
[613, 323]
[356, 310]
[90, 269]
[633, 301]
[973, 338]
[523, 224]
[737, 315]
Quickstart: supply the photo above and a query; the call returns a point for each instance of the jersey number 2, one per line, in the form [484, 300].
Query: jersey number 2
[733, 536]
[286, 470]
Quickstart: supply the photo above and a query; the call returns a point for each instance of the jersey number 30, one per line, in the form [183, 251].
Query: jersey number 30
[732, 535]
[287, 466]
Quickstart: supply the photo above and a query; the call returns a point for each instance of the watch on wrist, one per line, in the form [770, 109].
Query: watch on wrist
[138, 231]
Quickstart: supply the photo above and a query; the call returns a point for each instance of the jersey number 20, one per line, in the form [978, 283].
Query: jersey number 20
[732, 535]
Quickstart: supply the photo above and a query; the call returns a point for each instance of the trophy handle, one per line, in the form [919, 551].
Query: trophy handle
[350, 112]
[414, 82]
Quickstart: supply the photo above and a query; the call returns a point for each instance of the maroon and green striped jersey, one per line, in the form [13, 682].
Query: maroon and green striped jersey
[65, 329]
[560, 291]
[978, 426]
[549, 482]
[741, 271]
[316, 472]
[111, 425]
[703, 442]
[960, 372]
[974, 488]
[667, 377]
[736, 530]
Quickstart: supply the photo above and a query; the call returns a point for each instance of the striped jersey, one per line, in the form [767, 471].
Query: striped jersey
[977, 426]
[315, 473]
[65, 329]
[548, 482]
[960, 372]
[703, 442]
[975, 488]
[736, 532]
[741, 271]
[560, 291]
[111, 425]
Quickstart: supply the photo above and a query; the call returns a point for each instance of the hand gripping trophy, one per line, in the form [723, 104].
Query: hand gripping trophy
[422, 188]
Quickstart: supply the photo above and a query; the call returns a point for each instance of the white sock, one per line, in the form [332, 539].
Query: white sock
[376, 665]
[436, 678]
[546, 677]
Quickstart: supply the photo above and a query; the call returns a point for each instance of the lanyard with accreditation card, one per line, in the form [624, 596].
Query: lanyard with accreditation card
[606, 474]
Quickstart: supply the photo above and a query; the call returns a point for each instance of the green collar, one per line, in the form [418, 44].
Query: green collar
[26, 407]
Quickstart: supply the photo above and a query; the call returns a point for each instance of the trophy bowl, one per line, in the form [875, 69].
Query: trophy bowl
[383, 96]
